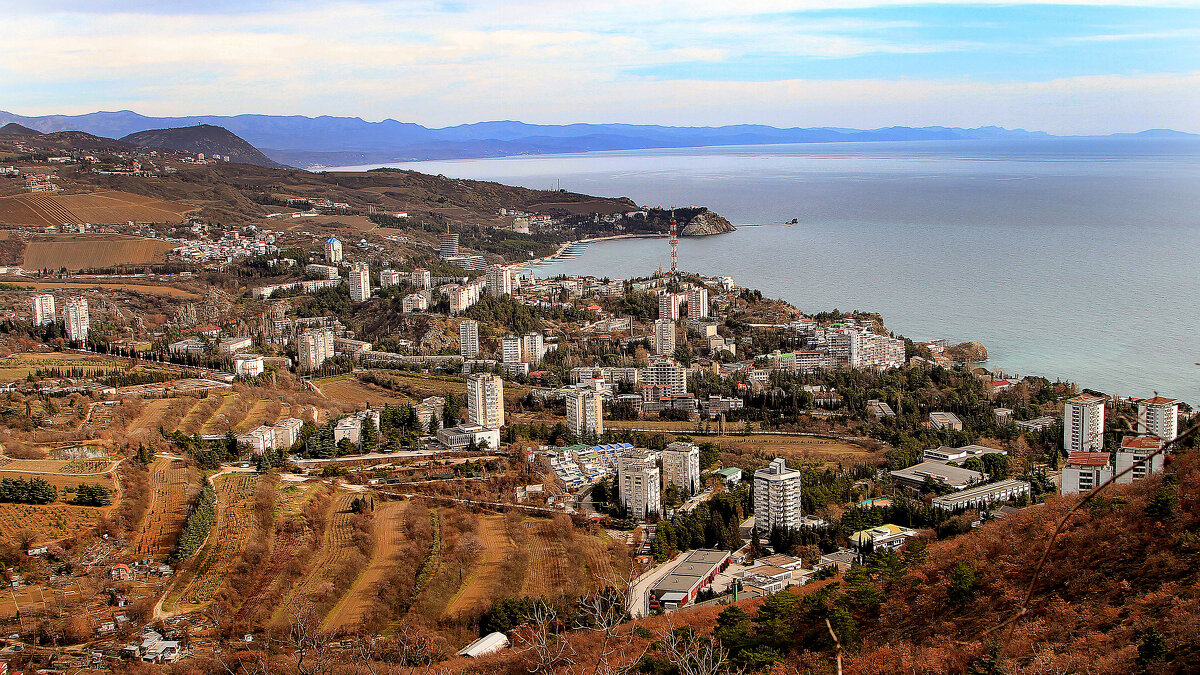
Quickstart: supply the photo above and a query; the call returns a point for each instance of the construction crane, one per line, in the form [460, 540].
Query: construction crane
[674, 245]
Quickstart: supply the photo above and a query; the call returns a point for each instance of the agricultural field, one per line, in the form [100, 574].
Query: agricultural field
[173, 485]
[105, 207]
[487, 576]
[557, 563]
[30, 599]
[348, 389]
[18, 366]
[338, 558]
[49, 522]
[223, 549]
[61, 474]
[388, 537]
[149, 289]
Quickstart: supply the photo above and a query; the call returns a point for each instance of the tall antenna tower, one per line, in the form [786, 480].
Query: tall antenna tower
[674, 245]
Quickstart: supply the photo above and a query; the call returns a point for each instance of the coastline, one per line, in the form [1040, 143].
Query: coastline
[568, 244]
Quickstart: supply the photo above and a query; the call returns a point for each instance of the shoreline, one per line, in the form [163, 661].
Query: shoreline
[568, 244]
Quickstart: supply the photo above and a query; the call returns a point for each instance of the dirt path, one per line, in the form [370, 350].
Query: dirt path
[389, 535]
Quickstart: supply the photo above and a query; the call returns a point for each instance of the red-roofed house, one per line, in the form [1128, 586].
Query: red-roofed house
[1135, 454]
[1084, 471]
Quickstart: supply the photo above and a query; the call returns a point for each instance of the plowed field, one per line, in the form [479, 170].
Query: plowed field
[99, 208]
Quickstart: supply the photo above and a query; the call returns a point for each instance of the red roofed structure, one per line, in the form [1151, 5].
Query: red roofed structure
[1081, 458]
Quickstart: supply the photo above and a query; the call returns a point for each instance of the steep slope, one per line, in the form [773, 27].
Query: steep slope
[202, 138]
[14, 129]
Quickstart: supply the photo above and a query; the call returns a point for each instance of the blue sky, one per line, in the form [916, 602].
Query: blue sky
[1066, 68]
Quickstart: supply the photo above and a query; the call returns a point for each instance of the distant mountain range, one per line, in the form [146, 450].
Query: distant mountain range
[332, 141]
[204, 138]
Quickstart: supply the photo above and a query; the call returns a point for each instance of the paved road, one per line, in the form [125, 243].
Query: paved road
[639, 596]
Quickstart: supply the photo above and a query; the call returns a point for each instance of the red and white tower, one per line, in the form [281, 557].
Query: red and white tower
[674, 245]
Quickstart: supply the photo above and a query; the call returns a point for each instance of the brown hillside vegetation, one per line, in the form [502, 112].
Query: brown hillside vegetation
[76, 252]
[99, 208]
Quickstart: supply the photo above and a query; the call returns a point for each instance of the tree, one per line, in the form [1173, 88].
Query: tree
[963, 582]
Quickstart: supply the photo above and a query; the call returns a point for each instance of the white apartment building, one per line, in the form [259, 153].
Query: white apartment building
[287, 432]
[248, 365]
[666, 372]
[668, 305]
[1083, 423]
[663, 339]
[314, 348]
[468, 338]
[1133, 453]
[533, 348]
[1084, 471]
[585, 413]
[485, 400]
[681, 466]
[360, 282]
[776, 497]
[333, 251]
[414, 302]
[326, 271]
[389, 278]
[697, 302]
[1159, 416]
[498, 281]
[639, 480]
[348, 428]
[77, 319]
[421, 279]
[233, 345]
[260, 439]
[859, 348]
[448, 245]
[43, 309]
[510, 349]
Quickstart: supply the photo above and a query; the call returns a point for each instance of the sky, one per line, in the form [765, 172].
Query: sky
[1064, 68]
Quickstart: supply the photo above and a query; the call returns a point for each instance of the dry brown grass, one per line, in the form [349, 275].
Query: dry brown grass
[106, 207]
[149, 289]
[389, 535]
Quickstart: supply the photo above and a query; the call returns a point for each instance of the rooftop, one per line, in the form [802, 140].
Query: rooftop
[1087, 398]
[954, 476]
[1141, 443]
[1081, 458]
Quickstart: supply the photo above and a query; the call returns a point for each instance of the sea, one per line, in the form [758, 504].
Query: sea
[1069, 258]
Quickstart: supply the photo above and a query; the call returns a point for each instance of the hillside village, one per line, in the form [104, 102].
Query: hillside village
[279, 424]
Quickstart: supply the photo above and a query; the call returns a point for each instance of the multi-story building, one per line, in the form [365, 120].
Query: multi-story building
[1083, 423]
[421, 279]
[360, 282]
[666, 372]
[77, 319]
[325, 271]
[389, 278]
[43, 309]
[668, 305]
[533, 348]
[314, 348]
[697, 302]
[485, 400]
[585, 413]
[414, 302]
[510, 349]
[776, 497]
[248, 365]
[333, 251]
[858, 348]
[468, 338]
[235, 344]
[664, 337]
[639, 480]
[1159, 416]
[448, 245]
[1135, 452]
[287, 432]
[945, 420]
[1084, 471]
[498, 281]
[681, 466]
[427, 410]
[982, 496]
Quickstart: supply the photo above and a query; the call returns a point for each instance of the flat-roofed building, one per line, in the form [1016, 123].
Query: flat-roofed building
[882, 536]
[460, 437]
[248, 365]
[684, 582]
[640, 485]
[916, 477]
[1135, 452]
[1084, 471]
[468, 338]
[43, 309]
[77, 319]
[585, 413]
[485, 400]
[983, 496]
[421, 279]
[1159, 416]
[945, 420]
[681, 466]
[287, 432]
[389, 278]
[1083, 423]
[697, 302]
[777, 497]
[314, 348]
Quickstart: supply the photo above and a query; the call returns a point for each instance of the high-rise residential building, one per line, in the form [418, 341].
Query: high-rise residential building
[859, 348]
[421, 279]
[510, 349]
[360, 282]
[1083, 423]
[533, 348]
[485, 400]
[681, 466]
[697, 302]
[76, 318]
[498, 281]
[43, 309]
[666, 373]
[1134, 454]
[585, 413]
[776, 497]
[668, 305]
[389, 278]
[448, 245]
[1084, 471]
[333, 250]
[638, 479]
[314, 348]
[663, 339]
[1159, 416]
[468, 338]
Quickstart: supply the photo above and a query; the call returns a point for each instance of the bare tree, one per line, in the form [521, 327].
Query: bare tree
[603, 612]
[309, 644]
[539, 644]
[693, 654]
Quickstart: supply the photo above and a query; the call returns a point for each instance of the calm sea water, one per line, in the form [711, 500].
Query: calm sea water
[1069, 258]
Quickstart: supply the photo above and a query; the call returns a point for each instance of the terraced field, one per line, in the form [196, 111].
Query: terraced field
[483, 585]
[318, 583]
[103, 207]
[173, 485]
[50, 522]
[389, 534]
[235, 515]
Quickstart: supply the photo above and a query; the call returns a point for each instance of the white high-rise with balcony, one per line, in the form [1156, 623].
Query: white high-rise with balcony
[681, 466]
[485, 400]
[638, 480]
[77, 319]
[668, 305]
[664, 337]
[1159, 416]
[360, 282]
[585, 413]
[421, 279]
[43, 309]
[697, 302]
[533, 347]
[468, 338]
[776, 497]
[510, 349]
[314, 348]
[1083, 423]
[498, 281]
[333, 250]
[666, 372]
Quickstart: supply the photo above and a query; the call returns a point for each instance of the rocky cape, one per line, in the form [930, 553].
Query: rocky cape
[705, 223]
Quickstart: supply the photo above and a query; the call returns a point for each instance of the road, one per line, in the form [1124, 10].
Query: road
[639, 594]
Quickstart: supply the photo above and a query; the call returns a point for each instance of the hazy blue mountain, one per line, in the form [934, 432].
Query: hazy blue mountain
[306, 141]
